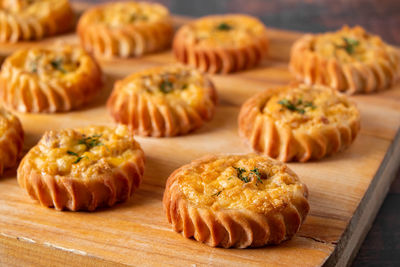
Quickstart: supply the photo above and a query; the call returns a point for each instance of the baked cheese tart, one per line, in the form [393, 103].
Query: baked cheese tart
[163, 101]
[125, 29]
[23, 20]
[221, 43]
[60, 78]
[11, 139]
[83, 169]
[299, 122]
[236, 201]
[349, 60]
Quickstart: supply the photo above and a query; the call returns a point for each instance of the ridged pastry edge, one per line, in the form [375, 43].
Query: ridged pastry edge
[232, 228]
[284, 144]
[351, 78]
[128, 41]
[66, 193]
[18, 28]
[25, 92]
[146, 118]
[11, 144]
[219, 60]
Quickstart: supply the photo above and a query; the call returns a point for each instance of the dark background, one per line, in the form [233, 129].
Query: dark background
[382, 244]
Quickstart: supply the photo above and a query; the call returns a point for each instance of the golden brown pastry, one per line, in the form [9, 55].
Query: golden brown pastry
[221, 43]
[163, 101]
[236, 201]
[23, 20]
[54, 79]
[349, 60]
[125, 29]
[83, 169]
[299, 122]
[11, 139]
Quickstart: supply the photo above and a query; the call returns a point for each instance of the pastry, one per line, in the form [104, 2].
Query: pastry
[24, 20]
[125, 29]
[163, 101]
[299, 122]
[83, 169]
[55, 79]
[221, 43]
[236, 201]
[349, 60]
[11, 139]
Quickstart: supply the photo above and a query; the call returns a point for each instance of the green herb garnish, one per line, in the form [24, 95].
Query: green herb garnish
[224, 27]
[254, 172]
[257, 174]
[184, 86]
[240, 172]
[78, 158]
[299, 106]
[166, 87]
[349, 45]
[217, 194]
[57, 64]
[91, 141]
[134, 17]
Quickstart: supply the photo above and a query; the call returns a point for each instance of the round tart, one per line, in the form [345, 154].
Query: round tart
[163, 101]
[299, 122]
[11, 139]
[349, 60]
[223, 43]
[83, 169]
[125, 29]
[23, 20]
[236, 201]
[55, 79]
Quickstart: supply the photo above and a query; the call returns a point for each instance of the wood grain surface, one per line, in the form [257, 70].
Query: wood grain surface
[343, 201]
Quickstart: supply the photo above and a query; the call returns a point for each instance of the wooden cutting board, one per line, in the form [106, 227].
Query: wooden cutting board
[346, 190]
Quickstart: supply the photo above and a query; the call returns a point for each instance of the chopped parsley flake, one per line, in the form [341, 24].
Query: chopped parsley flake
[254, 173]
[217, 194]
[57, 64]
[224, 27]
[78, 158]
[166, 87]
[349, 45]
[91, 141]
[299, 106]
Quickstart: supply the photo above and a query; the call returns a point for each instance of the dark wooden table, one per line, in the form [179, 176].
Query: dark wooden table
[382, 244]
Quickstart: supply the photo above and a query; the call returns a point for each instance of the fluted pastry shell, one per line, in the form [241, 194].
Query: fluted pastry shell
[11, 139]
[55, 79]
[349, 60]
[125, 29]
[274, 122]
[163, 101]
[24, 20]
[221, 43]
[236, 201]
[83, 169]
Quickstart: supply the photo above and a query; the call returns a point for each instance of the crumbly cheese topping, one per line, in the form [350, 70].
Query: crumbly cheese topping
[304, 106]
[348, 45]
[83, 153]
[250, 182]
[175, 85]
[228, 30]
[57, 63]
[120, 14]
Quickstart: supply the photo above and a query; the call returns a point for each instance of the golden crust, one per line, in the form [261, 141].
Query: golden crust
[163, 101]
[23, 20]
[55, 79]
[83, 169]
[11, 139]
[125, 29]
[369, 65]
[241, 214]
[221, 44]
[326, 122]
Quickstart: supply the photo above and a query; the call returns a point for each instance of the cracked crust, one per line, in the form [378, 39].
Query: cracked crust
[369, 66]
[11, 139]
[56, 79]
[23, 20]
[107, 173]
[222, 43]
[241, 215]
[328, 125]
[163, 101]
[125, 29]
